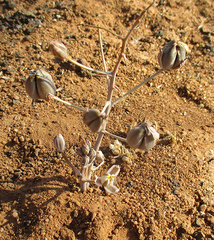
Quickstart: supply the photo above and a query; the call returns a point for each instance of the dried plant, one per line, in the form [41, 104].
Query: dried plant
[40, 85]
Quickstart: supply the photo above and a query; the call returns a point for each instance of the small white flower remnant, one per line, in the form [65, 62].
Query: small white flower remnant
[108, 180]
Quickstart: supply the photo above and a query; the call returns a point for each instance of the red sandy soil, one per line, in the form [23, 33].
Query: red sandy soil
[167, 193]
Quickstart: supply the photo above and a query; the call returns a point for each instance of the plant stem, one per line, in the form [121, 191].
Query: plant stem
[115, 136]
[104, 29]
[86, 172]
[113, 78]
[69, 163]
[67, 103]
[139, 85]
[88, 68]
[102, 54]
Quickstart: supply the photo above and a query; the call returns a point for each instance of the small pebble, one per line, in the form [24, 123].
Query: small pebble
[10, 4]
[80, 232]
[75, 212]
[22, 139]
[115, 231]
[129, 184]
[14, 214]
[203, 207]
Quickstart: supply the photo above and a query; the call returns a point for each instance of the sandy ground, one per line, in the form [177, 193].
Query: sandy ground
[167, 193]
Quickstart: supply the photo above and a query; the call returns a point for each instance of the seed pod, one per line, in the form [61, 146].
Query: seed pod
[88, 143]
[59, 142]
[142, 137]
[93, 119]
[150, 139]
[173, 55]
[39, 84]
[58, 49]
[100, 157]
[136, 135]
[85, 149]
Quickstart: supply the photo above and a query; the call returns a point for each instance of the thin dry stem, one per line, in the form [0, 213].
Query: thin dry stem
[139, 85]
[104, 29]
[113, 78]
[87, 68]
[115, 136]
[67, 103]
[102, 54]
[69, 163]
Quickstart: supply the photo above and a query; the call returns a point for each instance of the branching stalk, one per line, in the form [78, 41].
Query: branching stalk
[115, 136]
[113, 77]
[139, 85]
[67, 103]
[103, 58]
[104, 29]
[87, 68]
[69, 163]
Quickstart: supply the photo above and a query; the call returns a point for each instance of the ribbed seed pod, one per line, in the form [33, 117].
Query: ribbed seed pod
[150, 139]
[85, 149]
[39, 84]
[58, 49]
[59, 142]
[93, 119]
[172, 55]
[136, 135]
[143, 137]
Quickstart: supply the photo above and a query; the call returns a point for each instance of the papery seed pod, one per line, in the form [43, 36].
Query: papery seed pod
[58, 49]
[143, 137]
[150, 139]
[59, 142]
[39, 84]
[88, 143]
[126, 159]
[173, 55]
[100, 157]
[85, 149]
[93, 119]
[135, 136]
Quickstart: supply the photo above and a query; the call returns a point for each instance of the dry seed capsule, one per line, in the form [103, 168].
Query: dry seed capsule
[93, 119]
[100, 156]
[143, 137]
[58, 49]
[150, 139]
[59, 142]
[85, 149]
[173, 55]
[88, 143]
[39, 84]
[136, 135]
